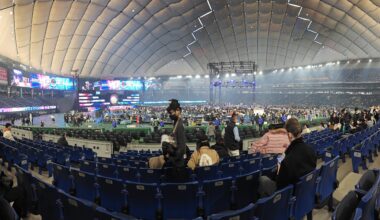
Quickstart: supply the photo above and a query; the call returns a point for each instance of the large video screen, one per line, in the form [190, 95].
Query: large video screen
[93, 100]
[39, 81]
[112, 85]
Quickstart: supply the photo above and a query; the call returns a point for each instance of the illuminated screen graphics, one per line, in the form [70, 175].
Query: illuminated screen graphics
[3, 76]
[101, 99]
[117, 85]
[25, 109]
[39, 81]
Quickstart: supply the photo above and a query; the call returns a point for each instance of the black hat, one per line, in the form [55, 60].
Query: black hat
[174, 105]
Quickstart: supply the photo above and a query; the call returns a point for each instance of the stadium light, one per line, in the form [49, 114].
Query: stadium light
[254, 73]
[227, 75]
[348, 62]
[338, 62]
[179, 77]
[261, 72]
[282, 70]
[233, 74]
[370, 60]
[358, 61]
[197, 76]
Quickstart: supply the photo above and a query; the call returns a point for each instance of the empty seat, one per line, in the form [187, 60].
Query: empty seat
[243, 213]
[127, 173]
[305, 195]
[189, 200]
[207, 173]
[327, 182]
[366, 181]
[246, 189]
[75, 208]
[250, 165]
[88, 166]
[217, 195]
[275, 207]
[230, 169]
[107, 170]
[63, 178]
[142, 201]
[150, 175]
[113, 195]
[47, 197]
[346, 207]
[85, 185]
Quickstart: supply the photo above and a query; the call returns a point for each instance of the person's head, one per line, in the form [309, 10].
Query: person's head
[202, 140]
[234, 117]
[8, 126]
[294, 129]
[174, 109]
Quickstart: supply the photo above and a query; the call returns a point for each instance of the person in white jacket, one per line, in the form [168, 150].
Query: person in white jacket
[7, 134]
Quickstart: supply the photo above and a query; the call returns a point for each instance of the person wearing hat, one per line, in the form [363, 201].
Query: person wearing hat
[174, 110]
[231, 136]
[203, 155]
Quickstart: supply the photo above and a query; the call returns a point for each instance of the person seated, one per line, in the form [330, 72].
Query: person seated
[62, 140]
[203, 155]
[300, 159]
[275, 141]
[220, 148]
[305, 130]
[7, 133]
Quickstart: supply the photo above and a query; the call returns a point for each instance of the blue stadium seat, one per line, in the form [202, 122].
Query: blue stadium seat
[327, 182]
[63, 178]
[142, 200]
[251, 165]
[230, 169]
[368, 202]
[189, 200]
[105, 160]
[366, 181]
[268, 161]
[85, 185]
[217, 195]
[305, 195]
[47, 197]
[107, 170]
[150, 175]
[270, 172]
[113, 195]
[358, 214]
[346, 208]
[275, 207]
[88, 166]
[246, 189]
[75, 208]
[207, 173]
[245, 213]
[128, 173]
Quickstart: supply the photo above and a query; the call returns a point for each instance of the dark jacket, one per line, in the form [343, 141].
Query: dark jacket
[229, 137]
[300, 159]
[62, 141]
[221, 150]
[180, 139]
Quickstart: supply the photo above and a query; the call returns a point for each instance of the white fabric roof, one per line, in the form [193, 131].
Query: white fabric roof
[116, 38]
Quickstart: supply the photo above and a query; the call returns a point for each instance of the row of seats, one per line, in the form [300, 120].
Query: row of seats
[363, 202]
[139, 173]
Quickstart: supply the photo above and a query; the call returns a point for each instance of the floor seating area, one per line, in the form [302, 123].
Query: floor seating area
[123, 187]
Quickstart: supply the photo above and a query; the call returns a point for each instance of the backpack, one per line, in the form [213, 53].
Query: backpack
[205, 161]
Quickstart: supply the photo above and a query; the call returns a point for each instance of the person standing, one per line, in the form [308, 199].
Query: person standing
[231, 136]
[211, 131]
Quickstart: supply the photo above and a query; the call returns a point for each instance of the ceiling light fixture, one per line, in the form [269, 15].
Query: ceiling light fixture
[370, 60]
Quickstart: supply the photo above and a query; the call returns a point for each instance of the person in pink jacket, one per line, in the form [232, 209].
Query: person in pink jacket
[275, 141]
